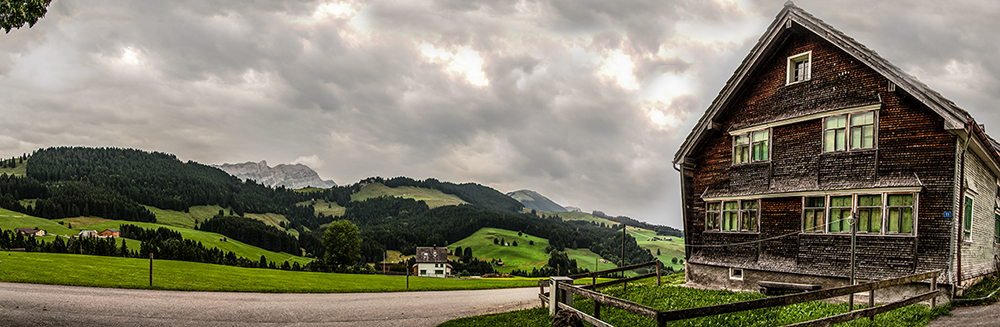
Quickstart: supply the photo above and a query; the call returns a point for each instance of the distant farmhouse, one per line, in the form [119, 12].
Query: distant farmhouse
[27, 231]
[432, 262]
[110, 232]
[87, 233]
[814, 128]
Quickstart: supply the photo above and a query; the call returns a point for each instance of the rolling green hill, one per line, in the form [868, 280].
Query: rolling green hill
[433, 198]
[668, 249]
[523, 256]
[210, 240]
[11, 220]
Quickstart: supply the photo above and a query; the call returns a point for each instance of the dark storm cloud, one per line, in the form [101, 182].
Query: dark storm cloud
[583, 101]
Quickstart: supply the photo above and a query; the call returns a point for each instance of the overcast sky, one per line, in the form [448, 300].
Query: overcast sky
[585, 102]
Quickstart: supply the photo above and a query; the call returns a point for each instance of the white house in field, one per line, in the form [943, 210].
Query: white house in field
[432, 262]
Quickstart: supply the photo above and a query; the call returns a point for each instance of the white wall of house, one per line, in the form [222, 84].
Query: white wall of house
[431, 269]
[979, 249]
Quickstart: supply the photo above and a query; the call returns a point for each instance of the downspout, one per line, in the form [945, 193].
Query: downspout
[961, 209]
[684, 213]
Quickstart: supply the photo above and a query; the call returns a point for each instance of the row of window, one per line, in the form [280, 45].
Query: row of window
[886, 213]
[755, 146]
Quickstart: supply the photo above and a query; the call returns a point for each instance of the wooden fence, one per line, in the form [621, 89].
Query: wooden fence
[562, 299]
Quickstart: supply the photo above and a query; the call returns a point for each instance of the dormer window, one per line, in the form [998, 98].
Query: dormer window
[799, 68]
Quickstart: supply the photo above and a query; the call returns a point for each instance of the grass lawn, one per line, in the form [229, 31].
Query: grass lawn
[84, 270]
[433, 198]
[577, 215]
[210, 240]
[11, 220]
[523, 256]
[673, 297]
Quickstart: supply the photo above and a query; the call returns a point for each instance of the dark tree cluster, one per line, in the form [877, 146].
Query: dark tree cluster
[13, 162]
[660, 230]
[252, 231]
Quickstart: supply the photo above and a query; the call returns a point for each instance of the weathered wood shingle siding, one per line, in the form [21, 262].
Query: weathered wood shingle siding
[978, 255]
[911, 144]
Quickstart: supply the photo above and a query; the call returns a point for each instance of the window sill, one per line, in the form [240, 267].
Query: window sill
[827, 153]
[848, 234]
[751, 163]
[791, 84]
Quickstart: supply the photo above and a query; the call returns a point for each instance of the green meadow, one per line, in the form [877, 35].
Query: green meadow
[433, 198]
[98, 271]
[523, 256]
[668, 249]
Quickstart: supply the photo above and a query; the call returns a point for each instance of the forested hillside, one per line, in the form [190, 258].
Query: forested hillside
[118, 184]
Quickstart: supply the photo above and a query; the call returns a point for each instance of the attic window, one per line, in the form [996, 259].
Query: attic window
[799, 68]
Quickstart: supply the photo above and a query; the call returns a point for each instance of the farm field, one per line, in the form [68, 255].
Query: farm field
[524, 256]
[210, 240]
[433, 198]
[324, 207]
[668, 249]
[12, 220]
[98, 271]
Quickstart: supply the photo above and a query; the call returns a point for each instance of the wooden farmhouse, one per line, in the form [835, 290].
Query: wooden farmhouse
[814, 128]
[30, 231]
[432, 262]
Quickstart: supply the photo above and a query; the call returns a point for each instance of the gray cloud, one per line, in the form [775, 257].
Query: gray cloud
[391, 88]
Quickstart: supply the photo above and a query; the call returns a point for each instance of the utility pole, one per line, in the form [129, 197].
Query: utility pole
[854, 234]
[150, 270]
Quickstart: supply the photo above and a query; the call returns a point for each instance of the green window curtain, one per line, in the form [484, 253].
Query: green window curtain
[712, 216]
[761, 151]
[996, 228]
[749, 216]
[836, 138]
[730, 216]
[741, 148]
[968, 218]
[870, 213]
[813, 214]
[900, 208]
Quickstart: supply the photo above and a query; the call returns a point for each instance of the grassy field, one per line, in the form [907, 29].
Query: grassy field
[82, 270]
[433, 198]
[210, 240]
[523, 256]
[668, 249]
[326, 208]
[11, 220]
[577, 215]
[673, 297]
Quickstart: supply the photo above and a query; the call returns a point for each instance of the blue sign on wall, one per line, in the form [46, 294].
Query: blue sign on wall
[947, 214]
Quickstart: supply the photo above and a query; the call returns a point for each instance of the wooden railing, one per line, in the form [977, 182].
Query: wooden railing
[662, 317]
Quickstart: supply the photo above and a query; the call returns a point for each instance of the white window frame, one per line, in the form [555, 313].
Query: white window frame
[736, 273]
[793, 61]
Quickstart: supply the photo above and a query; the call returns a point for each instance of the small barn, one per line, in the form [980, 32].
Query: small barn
[30, 231]
[110, 232]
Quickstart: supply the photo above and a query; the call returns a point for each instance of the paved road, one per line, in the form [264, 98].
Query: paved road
[49, 305]
[982, 316]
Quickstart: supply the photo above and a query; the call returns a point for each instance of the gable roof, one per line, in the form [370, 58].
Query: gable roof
[955, 118]
[432, 255]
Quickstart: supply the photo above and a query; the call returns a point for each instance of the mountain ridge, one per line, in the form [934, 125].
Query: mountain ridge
[290, 176]
[535, 201]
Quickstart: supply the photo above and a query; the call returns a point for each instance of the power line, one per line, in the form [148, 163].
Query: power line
[757, 241]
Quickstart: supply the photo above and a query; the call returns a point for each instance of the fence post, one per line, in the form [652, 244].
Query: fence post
[871, 303]
[150, 270]
[934, 288]
[553, 296]
[597, 310]
[541, 291]
[658, 272]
